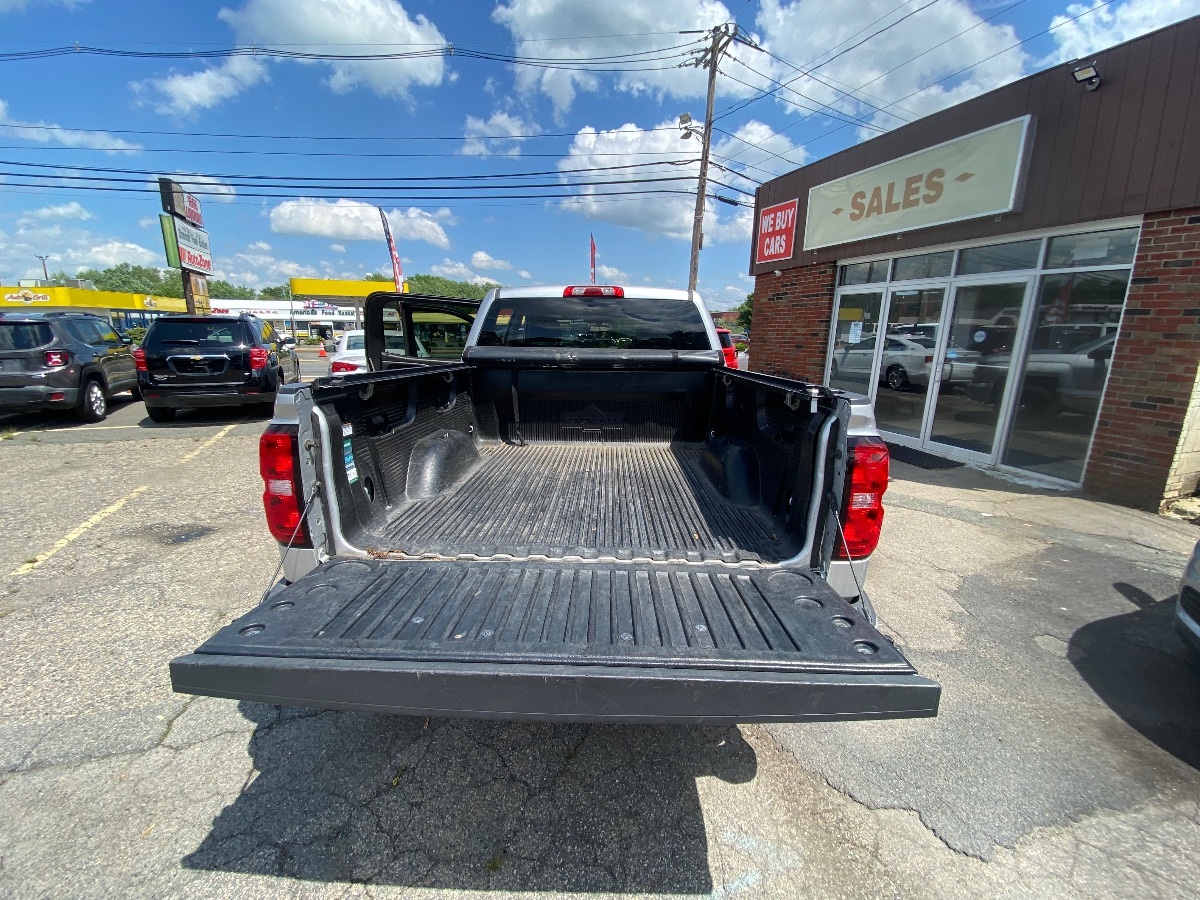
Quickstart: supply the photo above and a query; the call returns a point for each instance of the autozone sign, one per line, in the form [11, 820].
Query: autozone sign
[194, 252]
[776, 232]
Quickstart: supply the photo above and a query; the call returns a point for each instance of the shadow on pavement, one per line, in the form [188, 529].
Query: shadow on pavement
[474, 805]
[217, 415]
[1138, 666]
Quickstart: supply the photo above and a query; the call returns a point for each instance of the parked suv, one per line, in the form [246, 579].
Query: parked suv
[63, 361]
[186, 362]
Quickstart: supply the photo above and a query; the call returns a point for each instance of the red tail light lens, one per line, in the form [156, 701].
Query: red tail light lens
[343, 366]
[56, 359]
[730, 356]
[279, 465]
[258, 357]
[139, 359]
[862, 506]
[593, 290]
[928, 360]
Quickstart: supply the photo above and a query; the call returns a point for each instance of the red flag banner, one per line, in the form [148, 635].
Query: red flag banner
[397, 269]
[593, 242]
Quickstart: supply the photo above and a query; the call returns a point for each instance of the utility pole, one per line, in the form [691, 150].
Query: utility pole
[45, 273]
[721, 36]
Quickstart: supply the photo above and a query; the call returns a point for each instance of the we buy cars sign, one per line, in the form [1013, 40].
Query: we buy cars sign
[776, 232]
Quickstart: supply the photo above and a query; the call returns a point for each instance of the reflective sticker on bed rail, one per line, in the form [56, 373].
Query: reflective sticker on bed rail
[351, 468]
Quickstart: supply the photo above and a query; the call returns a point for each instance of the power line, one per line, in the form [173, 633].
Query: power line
[313, 153]
[831, 113]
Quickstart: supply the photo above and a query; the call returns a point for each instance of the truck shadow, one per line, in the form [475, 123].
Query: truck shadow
[1138, 666]
[474, 805]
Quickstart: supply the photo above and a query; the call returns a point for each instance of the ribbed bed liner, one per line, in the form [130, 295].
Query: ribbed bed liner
[629, 501]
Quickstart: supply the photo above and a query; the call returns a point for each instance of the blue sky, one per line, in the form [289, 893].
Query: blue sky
[598, 87]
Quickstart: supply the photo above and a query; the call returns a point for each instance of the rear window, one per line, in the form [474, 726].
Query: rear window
[726, 338]
[355, 342]
[166, 334]
[24, 335]
[623, 323]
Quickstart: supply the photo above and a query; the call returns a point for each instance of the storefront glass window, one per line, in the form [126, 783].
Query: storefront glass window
[926, 265]
[911, 338]
[1097, 248]
[999, 258]
[854, 342]
[865, 273]
[1070, 349]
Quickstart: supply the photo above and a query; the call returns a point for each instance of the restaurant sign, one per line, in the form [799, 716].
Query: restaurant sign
[978, 174]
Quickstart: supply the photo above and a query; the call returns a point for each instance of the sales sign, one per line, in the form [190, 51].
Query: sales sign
[776, 232]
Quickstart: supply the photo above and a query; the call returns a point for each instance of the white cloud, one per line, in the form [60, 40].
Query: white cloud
[72, 210]
[261, 246]
[448, 268]
[111, 253]
[337, 248]
[147, 221]
[551, 28]
[756, 151]
[366, 26]
[524, 273]
[668, 214]
[206, 187]
[956, 33]
[482, 260]
[7, 6]
[47, 133]
[183, 94]
[610, 274]
[498, 135]
[1111, 25]
[69, 247]
[350, 220]
[259, 268]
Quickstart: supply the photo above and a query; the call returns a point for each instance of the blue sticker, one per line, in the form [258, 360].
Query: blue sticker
[351, 468]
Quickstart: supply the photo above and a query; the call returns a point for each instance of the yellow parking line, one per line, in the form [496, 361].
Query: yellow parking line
[212, 440]
[77, 532]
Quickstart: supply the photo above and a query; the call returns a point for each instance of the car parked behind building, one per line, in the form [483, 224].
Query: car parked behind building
[1187, 607]
[73, 361]
[187, 362]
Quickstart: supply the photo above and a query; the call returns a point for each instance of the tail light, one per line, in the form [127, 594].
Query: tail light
[56, 359]
[862, 507]
[139, 359]
[279, 465]
[730, 356]
[342, 366]
[258, 357]
[928, 359]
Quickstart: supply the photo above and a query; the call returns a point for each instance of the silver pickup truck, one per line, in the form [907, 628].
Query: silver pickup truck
[559, 504]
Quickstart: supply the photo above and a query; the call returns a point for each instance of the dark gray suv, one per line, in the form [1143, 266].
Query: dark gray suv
[63, 360]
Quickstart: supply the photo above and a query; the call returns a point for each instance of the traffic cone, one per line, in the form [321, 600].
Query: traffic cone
[322, 352]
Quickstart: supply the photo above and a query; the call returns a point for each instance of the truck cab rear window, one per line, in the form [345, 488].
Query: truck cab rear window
[610, 323]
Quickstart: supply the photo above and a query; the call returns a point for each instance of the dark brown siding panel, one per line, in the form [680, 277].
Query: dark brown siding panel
[1124, 150]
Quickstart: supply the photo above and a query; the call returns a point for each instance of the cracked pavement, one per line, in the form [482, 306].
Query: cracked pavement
[1064, 761]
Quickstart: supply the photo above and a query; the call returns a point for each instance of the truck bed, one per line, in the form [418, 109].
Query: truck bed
[627, 501]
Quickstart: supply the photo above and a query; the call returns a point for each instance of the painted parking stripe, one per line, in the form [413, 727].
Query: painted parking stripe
[77, 532]
[212, 440]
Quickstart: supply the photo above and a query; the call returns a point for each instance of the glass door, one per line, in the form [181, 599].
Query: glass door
[914, 323]
[852, 357]
[973, 363]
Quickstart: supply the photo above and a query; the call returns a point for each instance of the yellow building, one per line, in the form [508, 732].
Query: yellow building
[125, 310]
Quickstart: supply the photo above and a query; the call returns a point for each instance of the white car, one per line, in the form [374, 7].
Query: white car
[907, 360]
[1187, 605]
[350, 355]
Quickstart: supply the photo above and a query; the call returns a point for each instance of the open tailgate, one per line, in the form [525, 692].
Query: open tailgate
[561, 641]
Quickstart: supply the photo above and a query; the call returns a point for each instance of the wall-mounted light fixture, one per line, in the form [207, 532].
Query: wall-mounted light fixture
[1087, 75]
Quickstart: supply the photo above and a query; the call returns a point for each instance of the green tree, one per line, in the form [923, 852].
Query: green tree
[436, 286]
[276, 292]
[132, 279]
[745, 312]
[375, 276]
[226, 291]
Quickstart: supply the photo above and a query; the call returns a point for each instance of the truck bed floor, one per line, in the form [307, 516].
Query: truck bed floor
[629, 501]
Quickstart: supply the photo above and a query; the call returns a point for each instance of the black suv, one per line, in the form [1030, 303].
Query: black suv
[62, 361]
[189, 361]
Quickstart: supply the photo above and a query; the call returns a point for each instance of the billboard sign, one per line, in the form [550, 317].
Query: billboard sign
[178, 202]
[194, 252]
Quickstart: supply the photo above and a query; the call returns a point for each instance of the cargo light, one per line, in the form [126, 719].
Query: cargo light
[56, 359]
[139, 359]
[258, 357]
[862, 507]
[279, 465]
[593, 290]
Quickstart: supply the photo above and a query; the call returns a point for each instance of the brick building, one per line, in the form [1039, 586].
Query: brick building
[1015, 281]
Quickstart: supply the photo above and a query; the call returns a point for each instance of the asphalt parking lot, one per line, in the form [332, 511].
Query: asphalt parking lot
[1064, 762]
